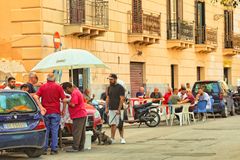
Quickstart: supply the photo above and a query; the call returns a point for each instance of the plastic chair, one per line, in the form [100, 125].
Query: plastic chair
[163, 113]
[201, 107]
[183, 116]
[193, 116]
[211, 109]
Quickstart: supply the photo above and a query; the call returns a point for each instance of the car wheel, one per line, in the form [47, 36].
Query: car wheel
[225, 112]
[33, 152]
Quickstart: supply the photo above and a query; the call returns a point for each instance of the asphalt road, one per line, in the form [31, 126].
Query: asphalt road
[215, 139]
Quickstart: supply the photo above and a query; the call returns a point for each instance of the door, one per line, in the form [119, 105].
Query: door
[200, 73]
[200, 22]
[136, 77]
[227, 75]
[81, 78]
[174, 76]
[228, 27]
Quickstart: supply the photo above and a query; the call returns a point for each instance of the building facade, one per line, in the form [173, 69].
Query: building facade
[147, 43]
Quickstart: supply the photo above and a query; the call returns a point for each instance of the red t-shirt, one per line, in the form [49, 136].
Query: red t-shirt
[51, 93]
[166, 97]
[79, 110]
[190, 98]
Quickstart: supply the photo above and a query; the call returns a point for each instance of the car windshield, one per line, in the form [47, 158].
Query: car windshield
[209, 87]
[16, 102]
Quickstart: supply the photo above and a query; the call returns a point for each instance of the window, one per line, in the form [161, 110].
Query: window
[137, 16]
[210, 88]
[228, 26]
[174, 16]
[77, 11]
[16, 102]
[200, 22]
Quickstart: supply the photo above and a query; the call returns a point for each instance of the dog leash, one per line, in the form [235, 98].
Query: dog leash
[113, 118]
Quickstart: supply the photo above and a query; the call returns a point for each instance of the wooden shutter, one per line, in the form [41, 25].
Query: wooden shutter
[180, 9]
[77, 11]
[228, 18]
[137, 16]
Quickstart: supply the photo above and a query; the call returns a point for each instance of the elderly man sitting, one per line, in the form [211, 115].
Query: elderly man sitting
[156, 96]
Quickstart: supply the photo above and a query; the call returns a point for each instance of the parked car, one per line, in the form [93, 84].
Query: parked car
[22, 127]
[220, 92]
[94, 121]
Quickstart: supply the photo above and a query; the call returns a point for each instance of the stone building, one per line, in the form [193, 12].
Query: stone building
[146, 42]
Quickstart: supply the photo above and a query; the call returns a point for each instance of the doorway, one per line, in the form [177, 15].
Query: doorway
[227, 75]
[174, 76]
[200, 73]
[81, 78]
[136, 77]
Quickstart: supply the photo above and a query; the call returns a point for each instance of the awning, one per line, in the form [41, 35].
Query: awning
[11, 66]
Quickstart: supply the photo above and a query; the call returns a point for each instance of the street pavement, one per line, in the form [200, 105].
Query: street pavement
[211, 140]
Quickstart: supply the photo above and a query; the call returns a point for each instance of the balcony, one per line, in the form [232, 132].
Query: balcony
[231, 45]
[86, 18]
[179, 35]
[146, 31]
[206, 39]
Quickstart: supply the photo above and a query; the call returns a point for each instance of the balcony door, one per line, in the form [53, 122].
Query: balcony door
[174, 16]
[137, 16]
[200, 22]
[228, 27]
[77, 11]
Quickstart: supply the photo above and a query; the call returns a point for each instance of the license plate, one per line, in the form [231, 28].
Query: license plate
[15, 125]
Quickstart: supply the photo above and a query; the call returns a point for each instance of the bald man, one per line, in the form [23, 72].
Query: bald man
[141, 92]
[51, 93]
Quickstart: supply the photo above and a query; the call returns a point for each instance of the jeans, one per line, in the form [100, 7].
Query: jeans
[52, 122]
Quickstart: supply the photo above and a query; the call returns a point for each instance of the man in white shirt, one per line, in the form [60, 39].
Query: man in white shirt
[182, 93]
[11, 83]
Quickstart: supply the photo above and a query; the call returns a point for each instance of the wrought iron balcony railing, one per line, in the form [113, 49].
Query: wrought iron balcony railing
[206, 35]
[88, 12]
[149, 23]
[232, 41]
[180, 30]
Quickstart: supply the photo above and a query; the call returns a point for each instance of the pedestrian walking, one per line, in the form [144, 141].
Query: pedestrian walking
[114, 105]
[78, 114]
[50, 94]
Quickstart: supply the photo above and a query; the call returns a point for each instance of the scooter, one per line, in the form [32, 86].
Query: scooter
[145, 113]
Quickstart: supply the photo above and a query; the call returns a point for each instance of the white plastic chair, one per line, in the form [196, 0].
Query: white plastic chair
[183, 116]
[163, 113]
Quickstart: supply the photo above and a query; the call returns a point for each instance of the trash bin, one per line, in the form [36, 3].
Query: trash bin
[88, 140]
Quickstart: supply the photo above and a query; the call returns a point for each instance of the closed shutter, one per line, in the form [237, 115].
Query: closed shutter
[136, 77]
[228, 18]
[77, 11]
[137, 16]
[180, 9]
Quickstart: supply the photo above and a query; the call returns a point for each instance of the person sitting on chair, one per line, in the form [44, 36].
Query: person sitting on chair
[156, 96]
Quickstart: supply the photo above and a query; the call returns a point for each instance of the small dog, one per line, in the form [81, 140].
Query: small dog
[103, 138]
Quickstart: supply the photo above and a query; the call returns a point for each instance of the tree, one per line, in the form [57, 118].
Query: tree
[227, 3]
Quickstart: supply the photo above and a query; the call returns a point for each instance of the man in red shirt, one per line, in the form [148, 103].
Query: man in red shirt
[50, 94]
[78, 114]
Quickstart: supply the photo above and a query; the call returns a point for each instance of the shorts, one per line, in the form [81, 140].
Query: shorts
[114, 119]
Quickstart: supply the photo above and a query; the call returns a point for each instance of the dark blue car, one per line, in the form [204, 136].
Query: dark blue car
[219, 91]
[22, 127]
